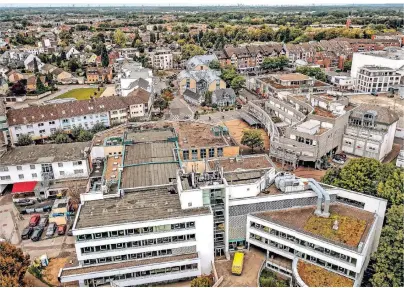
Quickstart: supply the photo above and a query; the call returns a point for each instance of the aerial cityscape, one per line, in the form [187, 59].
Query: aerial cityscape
[203, 144]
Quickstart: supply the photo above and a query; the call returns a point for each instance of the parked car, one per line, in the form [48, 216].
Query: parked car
[36, 235]
[27, 232]
[34, 220]
[341, 155]
[62, 229]
[70, 230]
[25, 202]
[44, 221]
[51, 229]
[338, 159]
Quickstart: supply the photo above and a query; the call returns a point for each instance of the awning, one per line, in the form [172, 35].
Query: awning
[249, 119]
[24, 187]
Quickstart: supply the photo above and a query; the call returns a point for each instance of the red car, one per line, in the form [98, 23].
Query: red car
[34, 220]
[62, 229]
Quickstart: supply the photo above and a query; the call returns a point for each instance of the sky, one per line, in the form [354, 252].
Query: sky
[188, 3]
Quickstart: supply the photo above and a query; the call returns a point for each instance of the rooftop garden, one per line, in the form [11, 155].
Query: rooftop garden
[349, 232]
[315, 276]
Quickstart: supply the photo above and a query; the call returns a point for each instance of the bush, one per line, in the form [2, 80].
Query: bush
[24, 140]
[203, 281]
[269, 279]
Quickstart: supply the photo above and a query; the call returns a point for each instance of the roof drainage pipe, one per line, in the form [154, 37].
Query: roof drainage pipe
[321, 193]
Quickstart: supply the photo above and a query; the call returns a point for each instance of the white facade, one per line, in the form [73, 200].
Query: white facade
[11, 174]
[130, 241]
[376, 79]
[161, 59]
[35, 130]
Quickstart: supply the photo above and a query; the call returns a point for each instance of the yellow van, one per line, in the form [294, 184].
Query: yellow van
[238, 260]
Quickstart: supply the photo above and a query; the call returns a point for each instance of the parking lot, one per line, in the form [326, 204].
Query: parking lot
[12, 223]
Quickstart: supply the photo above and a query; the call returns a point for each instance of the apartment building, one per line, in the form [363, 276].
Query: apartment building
[370, 132]
[376, 79]
[392, 57]
[37, 163]
[46, 119]
[99, 75]
[130, 76]
[270, 85]
[303, 128]
[161, 59]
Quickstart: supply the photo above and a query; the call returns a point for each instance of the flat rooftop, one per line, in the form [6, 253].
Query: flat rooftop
[292, 77]
[127, 264]
[243, 177]
[377, 68]
[241, 163]
[47, 153]
[193, 134]
[133, 207]
[149, 152]
[390, 53]
[111, 169]
[148, 175]
[150, 135]
[354, 223]
[316, 276]
[100, 137]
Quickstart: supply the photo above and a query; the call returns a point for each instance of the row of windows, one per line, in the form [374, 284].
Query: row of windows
[17, 128]
[132, 256]
[136, 231]
[84, 117]
[202, 153]
[303, 243]
[135, 244]
[307, 257]
[105, 280]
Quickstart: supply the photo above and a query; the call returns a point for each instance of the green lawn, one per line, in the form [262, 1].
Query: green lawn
[81, 93]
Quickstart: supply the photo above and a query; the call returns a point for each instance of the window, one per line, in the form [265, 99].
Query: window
[65, 121]
[3, 169]
[77, 163]
[211, 152]
[51, 122]
[30, 126]
[34, 175]
[42, 131]
[61, 173]
[7, 177]
[60, 164]
[40, 124]
[203, 153]
[20, 176]
[17, 128]
[52, 130]
[19, 168]
[194, 154]
[32, 167]
[79, 171]
[219, 152]
[189, 204]
[185, 154]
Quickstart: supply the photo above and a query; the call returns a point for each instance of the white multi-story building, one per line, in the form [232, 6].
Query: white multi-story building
[131, 75]
[41, 121]
[392, 57]
[370, 132]
[188, 212]
[160, 242]
[31, 163]
[161, 59]
[376, 79]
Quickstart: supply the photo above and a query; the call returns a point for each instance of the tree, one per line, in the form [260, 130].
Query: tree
[214, 64]
[62, 138]
[160, 103]
[202, 281]
[208, 98]
[347, 65]
[388, 265]
[167, 94]
[63, 55]
[18, 88]
[393, 188]
[120, 38]
[24, 140]
[191, 50]
[13, 265]
[73, 65]
[252, 138]
[40, 88]
[312, 72]
[104, 56]
[98, 127]
[75, 132]
[228, 74]
[84, 136]
[36, 70]
[237, 83]
[152, 37]
[273, 63]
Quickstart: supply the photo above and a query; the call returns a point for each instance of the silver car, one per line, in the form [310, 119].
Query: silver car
[51, 229]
